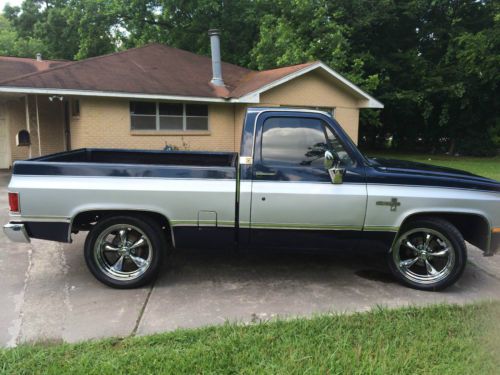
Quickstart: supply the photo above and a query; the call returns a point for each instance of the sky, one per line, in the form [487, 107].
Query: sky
[11, 2]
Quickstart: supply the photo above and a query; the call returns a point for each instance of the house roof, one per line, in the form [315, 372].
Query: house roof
[156, 71]
[258, 79]
[11, 67]
[152, 69]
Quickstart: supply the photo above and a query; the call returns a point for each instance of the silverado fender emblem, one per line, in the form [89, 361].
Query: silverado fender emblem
[393, 203]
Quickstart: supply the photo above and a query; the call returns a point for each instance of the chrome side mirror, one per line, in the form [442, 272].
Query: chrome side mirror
[334, 170]
[329, 160]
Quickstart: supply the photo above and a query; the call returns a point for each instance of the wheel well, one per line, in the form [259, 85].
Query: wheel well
[474, 228]
[84, 221]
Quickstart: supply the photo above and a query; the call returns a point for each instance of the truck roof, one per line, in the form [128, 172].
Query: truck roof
[287, 109]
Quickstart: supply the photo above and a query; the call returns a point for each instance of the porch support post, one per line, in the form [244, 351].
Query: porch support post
[38, 127]
[27, 109]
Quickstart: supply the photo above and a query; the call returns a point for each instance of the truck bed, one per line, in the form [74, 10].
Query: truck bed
[132, 163]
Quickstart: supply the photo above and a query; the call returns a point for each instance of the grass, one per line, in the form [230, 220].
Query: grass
[487, 167]
[442, 339]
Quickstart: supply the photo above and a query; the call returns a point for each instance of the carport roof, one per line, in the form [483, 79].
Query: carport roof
[156, 71]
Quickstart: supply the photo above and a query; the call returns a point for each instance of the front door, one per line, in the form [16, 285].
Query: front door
[4, 139]
[294, 204]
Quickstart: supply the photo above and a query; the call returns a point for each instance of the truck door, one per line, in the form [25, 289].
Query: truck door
[294, 203]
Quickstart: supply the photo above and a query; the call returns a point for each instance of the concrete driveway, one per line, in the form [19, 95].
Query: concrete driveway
[48, 294]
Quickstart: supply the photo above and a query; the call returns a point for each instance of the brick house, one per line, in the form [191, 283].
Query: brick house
[153, 96]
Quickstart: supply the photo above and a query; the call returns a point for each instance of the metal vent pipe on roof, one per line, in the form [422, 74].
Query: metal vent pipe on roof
[216, 62]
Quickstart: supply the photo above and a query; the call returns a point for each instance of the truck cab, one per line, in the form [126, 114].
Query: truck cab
[300, 161]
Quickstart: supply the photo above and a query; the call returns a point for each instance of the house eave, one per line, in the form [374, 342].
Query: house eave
[110, 94]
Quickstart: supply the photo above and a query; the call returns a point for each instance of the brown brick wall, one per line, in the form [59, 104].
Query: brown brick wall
[16, 121]
[105, 122]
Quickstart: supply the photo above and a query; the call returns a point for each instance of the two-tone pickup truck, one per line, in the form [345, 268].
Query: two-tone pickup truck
[299, 182]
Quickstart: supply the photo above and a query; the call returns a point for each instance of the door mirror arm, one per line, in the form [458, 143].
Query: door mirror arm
[337, 174]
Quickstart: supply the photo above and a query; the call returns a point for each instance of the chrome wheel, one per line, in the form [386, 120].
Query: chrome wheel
[424, 256]
[123, 252]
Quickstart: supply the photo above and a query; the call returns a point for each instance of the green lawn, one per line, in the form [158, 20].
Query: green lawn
[487, 167]
[434, 340]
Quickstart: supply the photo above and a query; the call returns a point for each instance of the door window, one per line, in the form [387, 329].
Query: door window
[299, 142]
[290, 141]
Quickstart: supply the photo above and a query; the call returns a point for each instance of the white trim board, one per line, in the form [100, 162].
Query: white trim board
[30, 90]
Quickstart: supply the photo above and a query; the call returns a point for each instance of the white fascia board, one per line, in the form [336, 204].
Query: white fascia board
[252, 98]
[372, 102]
[28, 90]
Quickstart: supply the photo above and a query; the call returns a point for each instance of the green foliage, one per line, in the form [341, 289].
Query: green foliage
[12, 45]
[476, 143]
[299, 32]
[433, 63]
[431, 340]
[65, 29]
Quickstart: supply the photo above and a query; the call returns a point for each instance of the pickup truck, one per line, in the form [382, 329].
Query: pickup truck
[299, 182]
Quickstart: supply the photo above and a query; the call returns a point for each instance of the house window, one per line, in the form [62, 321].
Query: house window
[75, 108]
[168, 116]
[143, 115]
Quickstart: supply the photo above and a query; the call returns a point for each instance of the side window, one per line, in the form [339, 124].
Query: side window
[291, 142]
[296, 142]
[335, 145]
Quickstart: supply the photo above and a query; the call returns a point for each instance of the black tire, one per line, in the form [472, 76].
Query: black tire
[443, 235]
[152, 252]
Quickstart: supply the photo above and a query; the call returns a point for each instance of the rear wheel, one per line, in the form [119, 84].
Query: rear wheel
[125, 251]
[429, 254]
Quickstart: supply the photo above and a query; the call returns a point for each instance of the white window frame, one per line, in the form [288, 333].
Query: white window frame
[184, 119]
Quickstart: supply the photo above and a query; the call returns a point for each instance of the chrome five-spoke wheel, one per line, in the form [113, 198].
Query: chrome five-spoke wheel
[429, 254]
[123, 251]
[424, 255]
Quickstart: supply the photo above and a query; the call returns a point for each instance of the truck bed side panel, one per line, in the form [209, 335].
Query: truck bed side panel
[183, 201]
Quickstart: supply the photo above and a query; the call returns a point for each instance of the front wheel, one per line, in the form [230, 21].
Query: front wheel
[429, 254]
[125, 251]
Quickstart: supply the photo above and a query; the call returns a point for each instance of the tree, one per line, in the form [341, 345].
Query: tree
[68, 29]
[184, 24]
[433, 63]
[12, 45]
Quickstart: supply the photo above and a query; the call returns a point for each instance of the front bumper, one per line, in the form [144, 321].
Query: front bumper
[16, 232]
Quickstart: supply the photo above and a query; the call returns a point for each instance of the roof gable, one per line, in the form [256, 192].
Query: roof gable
[251, 93]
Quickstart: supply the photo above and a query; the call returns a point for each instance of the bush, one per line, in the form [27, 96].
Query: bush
[474, 144]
